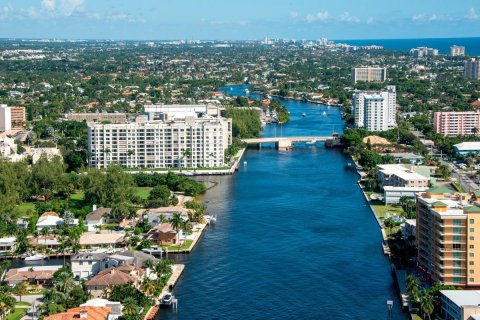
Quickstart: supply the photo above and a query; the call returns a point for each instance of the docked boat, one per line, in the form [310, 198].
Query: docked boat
[167, 299]
[35, 257]
[153, 250]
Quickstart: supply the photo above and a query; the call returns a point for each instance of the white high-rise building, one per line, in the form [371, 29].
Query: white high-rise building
[5, 118]
[422, 52]
[472, 69]
[369, 74]
[160, 144]
[375, 110]
[457, 51]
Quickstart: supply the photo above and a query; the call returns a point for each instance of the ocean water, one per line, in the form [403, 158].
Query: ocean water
[294, 238]
[472, 45]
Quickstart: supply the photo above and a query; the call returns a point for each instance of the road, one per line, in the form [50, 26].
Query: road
[464, 181]
[35, 301]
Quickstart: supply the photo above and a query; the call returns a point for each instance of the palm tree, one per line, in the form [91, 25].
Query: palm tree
[64, 282]
[130, 308]
[148, 286]
[413, 285]
[162, 268]
[7, 304]
[20, 289]
[426, 303]
[63, 244]
[186, 153]
[177, 223]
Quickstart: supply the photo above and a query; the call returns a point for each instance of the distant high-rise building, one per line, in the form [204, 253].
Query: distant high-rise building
[457, 51]
[472, 69]
[369, 74]
[18, 117]
[5, 118]
[422, 52]
[375, 110]
[265, 40]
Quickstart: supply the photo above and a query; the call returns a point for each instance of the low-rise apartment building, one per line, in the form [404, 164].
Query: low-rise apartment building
[398, 180]
[448, 230]
[460, 304]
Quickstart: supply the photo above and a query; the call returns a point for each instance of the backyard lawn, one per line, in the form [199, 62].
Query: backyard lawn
[184, 246]
[143, 193]
[75, 202]
[20, 310]
[381, 210]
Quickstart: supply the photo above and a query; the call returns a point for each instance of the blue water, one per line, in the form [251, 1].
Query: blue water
[294, 238]
[472, 45]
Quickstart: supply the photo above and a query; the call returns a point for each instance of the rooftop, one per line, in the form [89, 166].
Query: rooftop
[400, 171]
[466, 146]
[463, 297]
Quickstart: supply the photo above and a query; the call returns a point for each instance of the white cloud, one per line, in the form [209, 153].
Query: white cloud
[124, 17]
[69, 7]
[370, 21]
[347, 17]
[5, 11]
[48, 5]
[473, 15]
[319, 16]
[293, 14]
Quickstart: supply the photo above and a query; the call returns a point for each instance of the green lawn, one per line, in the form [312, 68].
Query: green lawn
[23, 303]
[143, 193]
[184, 246]
[17, 314]
[26, 206]
[381, 210]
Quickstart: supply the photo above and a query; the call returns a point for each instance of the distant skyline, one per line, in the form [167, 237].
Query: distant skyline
[245, 20]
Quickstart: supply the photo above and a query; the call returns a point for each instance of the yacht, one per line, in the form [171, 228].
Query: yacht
[167, 299]
[35, 257]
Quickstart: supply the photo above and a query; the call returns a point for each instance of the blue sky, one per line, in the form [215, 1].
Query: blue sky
[238, 20]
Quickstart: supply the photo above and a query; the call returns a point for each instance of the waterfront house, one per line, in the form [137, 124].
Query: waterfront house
[124, 274]
[51, 220]
[465, 148]
[154, 215]
[7, 245]
[96, 218]
[86, 265]
[460, 304]
[49, 242]
[84, 312]
[103, 239]
[38, 275]
[163, 234]
[98, 302]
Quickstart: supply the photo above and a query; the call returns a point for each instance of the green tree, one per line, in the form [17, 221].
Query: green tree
[46, 176]
[161, 195]
[426, 304]
[177, 222]
[20, 290]
[413, 287]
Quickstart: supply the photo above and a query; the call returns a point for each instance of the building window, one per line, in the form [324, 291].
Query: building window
[471, 271]
[472, 229]
[472, 238]
[457, 280]
[472, 280]
[457, 222]
[471, 246]
[471, 254]
[472, 221]
[471, 263]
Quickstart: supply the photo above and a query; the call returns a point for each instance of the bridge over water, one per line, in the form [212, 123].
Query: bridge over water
[286, 143]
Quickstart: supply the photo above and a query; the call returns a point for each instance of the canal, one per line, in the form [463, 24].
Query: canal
[294, 237]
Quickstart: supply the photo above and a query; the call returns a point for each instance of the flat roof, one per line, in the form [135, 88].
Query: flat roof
[463, 297]
[469, 145]
[400, 171]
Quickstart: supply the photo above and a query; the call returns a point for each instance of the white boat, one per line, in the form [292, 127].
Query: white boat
[153, 250]
[210, 219]
[35, 257]
[247, 91]
[324, 113]
[167, 299]
[304, 114]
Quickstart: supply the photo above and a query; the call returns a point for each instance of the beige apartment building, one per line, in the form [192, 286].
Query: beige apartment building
[369, 74]
[18, 117]
[448, 230]
[396, 175]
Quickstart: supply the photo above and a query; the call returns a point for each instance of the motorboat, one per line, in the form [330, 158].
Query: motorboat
[35, 257]
[304, 114]
[167, 299]
[153, 250]
[324, 113]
